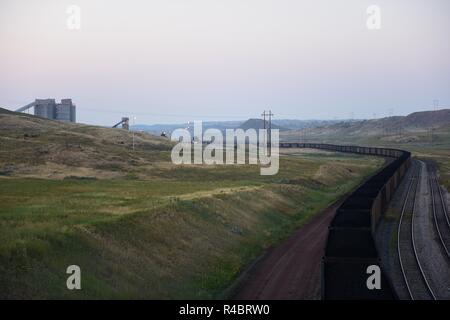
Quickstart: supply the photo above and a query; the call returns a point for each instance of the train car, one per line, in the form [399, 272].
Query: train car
[350, 246]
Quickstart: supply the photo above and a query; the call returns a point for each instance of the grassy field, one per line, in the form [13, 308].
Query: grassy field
[434, 147]
[138, 225]
[180, 232]
[42, 148]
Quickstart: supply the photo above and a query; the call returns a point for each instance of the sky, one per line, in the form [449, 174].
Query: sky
[169, 61]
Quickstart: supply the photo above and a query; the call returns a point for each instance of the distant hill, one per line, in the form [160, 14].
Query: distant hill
[284, 124]
[259, 124]
[414, 124]
[168, 128]
[294, 124]
[426, 119]
[415, 121]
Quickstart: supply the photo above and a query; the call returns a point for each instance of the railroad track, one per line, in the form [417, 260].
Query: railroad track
[441, 219]
[413, 274]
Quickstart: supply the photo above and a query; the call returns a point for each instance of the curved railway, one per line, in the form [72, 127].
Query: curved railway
[350, 250]
[411, 268]
[440, 215]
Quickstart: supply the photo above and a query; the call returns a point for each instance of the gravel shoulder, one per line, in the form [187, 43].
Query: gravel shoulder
[435, 264]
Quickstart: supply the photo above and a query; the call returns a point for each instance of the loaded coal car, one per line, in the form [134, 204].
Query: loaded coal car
[351, 253]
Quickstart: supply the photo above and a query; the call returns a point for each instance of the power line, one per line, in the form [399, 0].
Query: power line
[270, 129]
[164, 114]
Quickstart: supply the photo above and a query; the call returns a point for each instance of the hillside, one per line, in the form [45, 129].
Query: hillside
[426, 134]
[295, 124]
[415, 123]
[137, 225]
[168, 128]
[259, 124]
[33, 146]
[283, 124]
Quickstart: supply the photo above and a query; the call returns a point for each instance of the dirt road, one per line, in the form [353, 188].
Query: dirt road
[292, 269]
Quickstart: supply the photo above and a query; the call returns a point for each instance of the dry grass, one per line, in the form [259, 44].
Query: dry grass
[138, 226]
[161, 238]
[34, 147]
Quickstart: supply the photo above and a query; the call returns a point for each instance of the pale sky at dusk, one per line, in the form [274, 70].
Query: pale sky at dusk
[180, 60]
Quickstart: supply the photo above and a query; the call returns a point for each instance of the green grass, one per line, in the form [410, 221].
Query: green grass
[185, 233]
[40, 142]
[419, 142]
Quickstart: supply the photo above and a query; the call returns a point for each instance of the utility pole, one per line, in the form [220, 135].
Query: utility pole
[435, 104]
[134, 118]
[270, 119]
[270, 127]
[270, 114]
[264, 118]
[390, 114]
[270, 131]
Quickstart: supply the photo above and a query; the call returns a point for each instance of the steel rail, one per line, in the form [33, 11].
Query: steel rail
[433, 181]
[414, 181]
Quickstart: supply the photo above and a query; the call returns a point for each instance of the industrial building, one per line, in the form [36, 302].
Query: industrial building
[125, 122]
[49, 109]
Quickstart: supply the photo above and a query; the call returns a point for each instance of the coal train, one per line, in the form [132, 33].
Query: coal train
[350, 247]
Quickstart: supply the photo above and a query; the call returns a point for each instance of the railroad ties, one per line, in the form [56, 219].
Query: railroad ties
[413, 274]
[440, 214]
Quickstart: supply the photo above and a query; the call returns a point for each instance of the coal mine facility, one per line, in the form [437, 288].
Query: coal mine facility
[350, 246]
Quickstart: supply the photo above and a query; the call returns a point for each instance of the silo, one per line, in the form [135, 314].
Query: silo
[65, 111]
[73, 113]
[45, 108]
